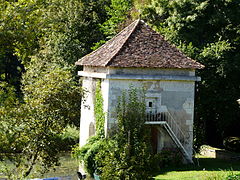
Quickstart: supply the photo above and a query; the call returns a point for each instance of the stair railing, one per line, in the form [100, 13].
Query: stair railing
[167, 117]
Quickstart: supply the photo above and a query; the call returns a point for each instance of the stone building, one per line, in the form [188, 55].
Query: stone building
[140, 57]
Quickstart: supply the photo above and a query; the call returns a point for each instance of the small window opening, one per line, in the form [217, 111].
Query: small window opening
[150, 104]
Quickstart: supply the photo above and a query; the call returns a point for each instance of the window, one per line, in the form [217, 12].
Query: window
[150, 104]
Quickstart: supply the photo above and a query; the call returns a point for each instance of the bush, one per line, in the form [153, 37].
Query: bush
[127, 153]
[233, 177]
[168, 157]
[116, 161]
[88, 152]
[232, 143]
[68, 138]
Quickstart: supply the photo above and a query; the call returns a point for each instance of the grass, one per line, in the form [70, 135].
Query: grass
[208, 169]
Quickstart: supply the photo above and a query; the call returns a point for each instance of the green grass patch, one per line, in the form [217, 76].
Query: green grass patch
[208, 169]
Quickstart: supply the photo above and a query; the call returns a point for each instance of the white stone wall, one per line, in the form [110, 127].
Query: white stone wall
[95, 69]
[175, 97]
[105, 95]
[87, 109]
[152, 71]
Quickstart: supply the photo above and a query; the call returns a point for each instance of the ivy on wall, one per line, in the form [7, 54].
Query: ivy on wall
[98, 111]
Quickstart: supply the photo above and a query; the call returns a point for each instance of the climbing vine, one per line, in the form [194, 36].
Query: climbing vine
[98, 111]
[128, 150]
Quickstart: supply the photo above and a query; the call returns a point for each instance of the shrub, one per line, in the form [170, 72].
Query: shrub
[127, 154]
[87, 153]
[116, 161]
[233, 177]
[68, 138]
[169, 157]
[232, 143]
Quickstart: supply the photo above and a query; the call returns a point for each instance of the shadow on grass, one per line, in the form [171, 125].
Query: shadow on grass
[207, 164]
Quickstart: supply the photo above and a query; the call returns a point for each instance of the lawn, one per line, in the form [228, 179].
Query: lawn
[208, 169]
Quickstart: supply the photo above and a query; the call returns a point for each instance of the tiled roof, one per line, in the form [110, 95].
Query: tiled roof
[139, 46]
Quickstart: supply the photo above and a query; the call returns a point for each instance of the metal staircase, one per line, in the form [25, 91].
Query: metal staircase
[166, 120]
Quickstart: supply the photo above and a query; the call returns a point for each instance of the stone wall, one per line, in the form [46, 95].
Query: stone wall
[173, 96]
[152, 71]
[87, 109]
[87, 121]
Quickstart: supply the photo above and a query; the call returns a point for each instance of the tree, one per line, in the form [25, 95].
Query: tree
[208, 32]
[51, 95]
[28, 130]
[75, 27]
[118, 12]
[69, 28]
[118, 15]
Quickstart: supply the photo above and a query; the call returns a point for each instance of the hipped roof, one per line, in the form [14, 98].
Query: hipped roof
[141, 47]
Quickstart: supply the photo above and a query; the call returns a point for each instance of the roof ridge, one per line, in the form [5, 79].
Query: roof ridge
[137, 22]
[139, 45]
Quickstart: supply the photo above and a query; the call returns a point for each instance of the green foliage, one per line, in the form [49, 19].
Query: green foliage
[7, 94]
[117, 12]
[232, 143]
[20, 30]
[74, 27]
[126, 152]
[70, 132]
[87, 153]
[67, 139]
[169, 158]
[207, 31]
[42, 39]
[233, 177]
[98, 111]
[28, 134]
[67, 29]
[51, 101]
[53, 89]
[127, 155]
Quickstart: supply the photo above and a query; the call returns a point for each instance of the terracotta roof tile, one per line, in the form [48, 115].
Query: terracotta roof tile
[139, 46]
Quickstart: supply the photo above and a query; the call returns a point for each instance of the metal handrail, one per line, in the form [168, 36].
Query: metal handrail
[177, 130]
[166, 116]
[172, 127]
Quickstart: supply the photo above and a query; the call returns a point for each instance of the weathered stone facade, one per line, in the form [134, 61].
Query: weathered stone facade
[172, 92]
[140, 57]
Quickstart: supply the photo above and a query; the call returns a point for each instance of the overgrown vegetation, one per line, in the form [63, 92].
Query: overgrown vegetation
[207, 31]
[232, 143]
[126, 153]
[98, 111]
[41, 39]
